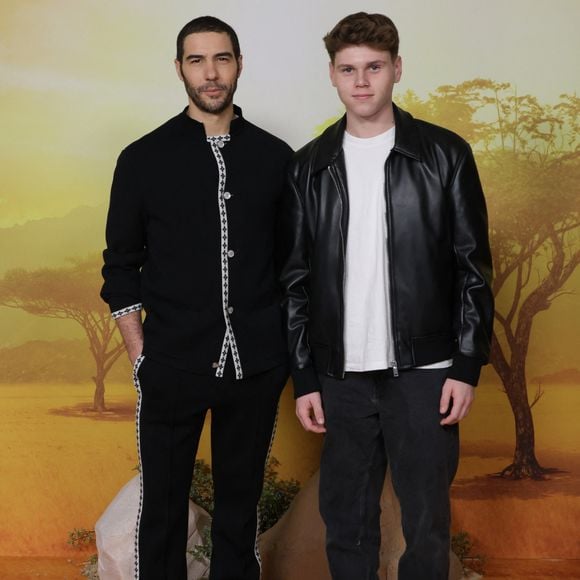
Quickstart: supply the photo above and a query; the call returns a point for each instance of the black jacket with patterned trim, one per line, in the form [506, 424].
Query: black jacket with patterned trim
[165, 251]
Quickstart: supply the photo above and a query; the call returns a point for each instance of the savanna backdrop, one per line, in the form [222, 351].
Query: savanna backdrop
[79, 81]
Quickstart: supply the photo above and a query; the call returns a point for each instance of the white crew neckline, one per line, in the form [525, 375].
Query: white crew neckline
[364, 142]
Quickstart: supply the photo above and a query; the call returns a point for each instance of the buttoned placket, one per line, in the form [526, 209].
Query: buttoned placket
[217, 143]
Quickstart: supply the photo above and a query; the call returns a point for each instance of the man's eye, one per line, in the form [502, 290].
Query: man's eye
[347, 69]
[375, 67]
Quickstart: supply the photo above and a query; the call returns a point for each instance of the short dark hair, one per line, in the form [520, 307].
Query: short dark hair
[207, 24]
[375, 30]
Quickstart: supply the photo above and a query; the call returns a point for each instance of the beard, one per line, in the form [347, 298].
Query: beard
[206, 104]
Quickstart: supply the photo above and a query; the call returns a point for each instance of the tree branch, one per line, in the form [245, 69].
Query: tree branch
[507, 329]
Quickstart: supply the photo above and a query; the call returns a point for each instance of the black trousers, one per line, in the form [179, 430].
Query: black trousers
[372, 419]
[170, 415]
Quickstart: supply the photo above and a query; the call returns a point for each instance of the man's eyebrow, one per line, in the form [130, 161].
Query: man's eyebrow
[376, 61]
[202, 56]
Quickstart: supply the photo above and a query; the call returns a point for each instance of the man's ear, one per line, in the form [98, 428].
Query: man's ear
[240, 65]
[178, 69]
[398, 68]
[331, 72]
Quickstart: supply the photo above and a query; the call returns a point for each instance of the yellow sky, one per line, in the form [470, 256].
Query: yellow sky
[79, 80]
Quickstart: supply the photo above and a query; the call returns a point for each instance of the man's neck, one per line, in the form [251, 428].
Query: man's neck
[214, 124]
[367, 127]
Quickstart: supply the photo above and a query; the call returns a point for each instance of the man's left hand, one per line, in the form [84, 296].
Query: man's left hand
[460, 396]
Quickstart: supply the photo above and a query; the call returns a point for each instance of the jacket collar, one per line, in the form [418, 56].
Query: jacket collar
[196, 127]
[407, 139]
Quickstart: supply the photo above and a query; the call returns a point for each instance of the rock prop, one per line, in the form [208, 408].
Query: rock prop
[115, 532]
[294, 547]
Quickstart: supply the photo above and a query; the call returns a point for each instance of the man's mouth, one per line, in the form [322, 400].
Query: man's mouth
[212, 90]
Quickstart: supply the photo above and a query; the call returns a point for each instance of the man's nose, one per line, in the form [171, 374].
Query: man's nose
[211, 71]
[361, 79]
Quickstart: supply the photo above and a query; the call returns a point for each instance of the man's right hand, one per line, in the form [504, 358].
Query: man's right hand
[309, 412]
[131, 330]
[133, 356]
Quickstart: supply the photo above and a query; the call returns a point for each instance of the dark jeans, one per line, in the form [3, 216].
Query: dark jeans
[170, 416]
[373, 418]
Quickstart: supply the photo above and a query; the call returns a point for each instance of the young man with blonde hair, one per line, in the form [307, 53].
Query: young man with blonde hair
[389, 306]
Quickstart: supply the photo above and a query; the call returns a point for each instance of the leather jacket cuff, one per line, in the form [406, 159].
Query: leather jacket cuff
[466, 369]
[305, 381]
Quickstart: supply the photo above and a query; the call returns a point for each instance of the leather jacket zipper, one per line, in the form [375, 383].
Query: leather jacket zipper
[391, 325]
[337, 183]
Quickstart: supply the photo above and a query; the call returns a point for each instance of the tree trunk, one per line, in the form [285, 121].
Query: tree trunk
[525, 464]
[99, 380]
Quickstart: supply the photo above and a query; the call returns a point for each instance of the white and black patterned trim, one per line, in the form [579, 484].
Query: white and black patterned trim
[256, 550]
[127, 310]
[229, 343]
[137, 384]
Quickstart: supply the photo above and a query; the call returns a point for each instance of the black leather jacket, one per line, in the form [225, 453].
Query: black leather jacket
[438, 248]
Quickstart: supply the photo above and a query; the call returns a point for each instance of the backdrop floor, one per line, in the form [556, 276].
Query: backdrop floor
[533, 569]
[61, 569]
[46, 568]
[520, 519]
[61, 468]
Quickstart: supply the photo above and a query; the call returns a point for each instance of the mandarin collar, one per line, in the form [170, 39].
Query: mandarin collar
[190, 124]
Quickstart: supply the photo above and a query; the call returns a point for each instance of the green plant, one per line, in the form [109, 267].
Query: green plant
[81, 537]
[462, 546]
[202, 552]
[201, 491]
[277, 495]
[90, 568]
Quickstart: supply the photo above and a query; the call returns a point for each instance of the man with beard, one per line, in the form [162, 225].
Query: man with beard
[190, 240]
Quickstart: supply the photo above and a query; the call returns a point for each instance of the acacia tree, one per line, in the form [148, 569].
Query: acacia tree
[529, 159]
[69, 292]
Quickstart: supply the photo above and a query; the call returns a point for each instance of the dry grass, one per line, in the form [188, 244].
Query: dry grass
[532, 569]
[521, 519]
[62, 464]
[46, 568]
[58, 472]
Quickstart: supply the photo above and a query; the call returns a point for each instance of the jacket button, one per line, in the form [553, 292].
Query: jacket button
[221, 144]
[230, 309]
[214, 365]
[227, 195]
[231, 253]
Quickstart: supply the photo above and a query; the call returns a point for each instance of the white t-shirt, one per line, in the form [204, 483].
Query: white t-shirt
[367, 343]
[368, 340]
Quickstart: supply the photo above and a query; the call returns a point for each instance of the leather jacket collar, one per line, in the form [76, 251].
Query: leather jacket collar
[407, 140]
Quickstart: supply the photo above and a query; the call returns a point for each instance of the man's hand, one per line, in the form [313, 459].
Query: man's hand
[132, 332]
[309, 412]
[460, 395]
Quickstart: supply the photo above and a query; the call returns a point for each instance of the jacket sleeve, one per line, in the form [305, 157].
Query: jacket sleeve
[294, 277]
[473, 300]
[125, 235]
